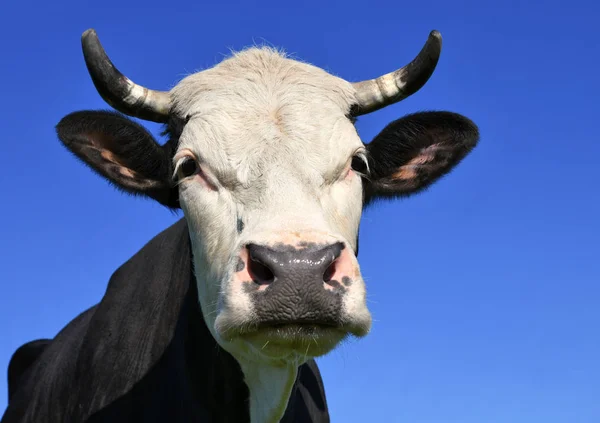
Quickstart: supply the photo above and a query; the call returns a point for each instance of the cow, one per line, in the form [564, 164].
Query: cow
[220, 317]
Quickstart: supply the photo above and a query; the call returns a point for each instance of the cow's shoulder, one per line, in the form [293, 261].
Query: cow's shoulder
[73, 374]
[43, 369]
[21, 361]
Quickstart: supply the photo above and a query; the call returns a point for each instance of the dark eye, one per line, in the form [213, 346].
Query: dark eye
[187, 168]
[359, 165]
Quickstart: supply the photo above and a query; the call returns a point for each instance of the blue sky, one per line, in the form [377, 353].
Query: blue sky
[485, 290]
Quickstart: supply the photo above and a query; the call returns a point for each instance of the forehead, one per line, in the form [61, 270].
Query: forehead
[260, 100]
[261, 79]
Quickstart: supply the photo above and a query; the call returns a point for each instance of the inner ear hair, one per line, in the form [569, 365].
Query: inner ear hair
[122, 151]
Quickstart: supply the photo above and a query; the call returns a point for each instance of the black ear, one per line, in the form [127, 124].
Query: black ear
[122, 151]
[413, 152]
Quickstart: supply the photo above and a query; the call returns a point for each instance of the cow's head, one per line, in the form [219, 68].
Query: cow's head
[265, 162]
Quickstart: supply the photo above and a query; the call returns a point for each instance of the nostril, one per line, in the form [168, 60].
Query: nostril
[260, 273]
[329, 272]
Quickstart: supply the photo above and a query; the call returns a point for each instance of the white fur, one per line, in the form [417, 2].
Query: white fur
[272, 135]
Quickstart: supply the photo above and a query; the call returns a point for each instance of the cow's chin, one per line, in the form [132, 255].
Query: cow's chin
[289, 342]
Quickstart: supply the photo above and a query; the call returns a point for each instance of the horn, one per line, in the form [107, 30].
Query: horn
[374, 94]
[119, 91]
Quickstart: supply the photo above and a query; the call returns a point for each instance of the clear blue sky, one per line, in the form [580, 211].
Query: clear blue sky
[485, 290]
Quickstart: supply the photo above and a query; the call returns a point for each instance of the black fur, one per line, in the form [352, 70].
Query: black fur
[21, 361]
[144, 354]
[416, 150]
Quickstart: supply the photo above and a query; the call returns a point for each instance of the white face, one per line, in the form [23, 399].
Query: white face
[274, 149]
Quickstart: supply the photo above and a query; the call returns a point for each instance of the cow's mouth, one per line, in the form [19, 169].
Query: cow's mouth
[296, 330]
[291, 330]
[306, 338]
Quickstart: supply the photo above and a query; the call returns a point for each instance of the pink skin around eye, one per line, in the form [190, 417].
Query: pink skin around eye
[203, 179]
[349, 173]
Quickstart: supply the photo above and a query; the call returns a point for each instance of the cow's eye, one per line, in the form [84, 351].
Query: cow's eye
[359, 165]
[187, 168]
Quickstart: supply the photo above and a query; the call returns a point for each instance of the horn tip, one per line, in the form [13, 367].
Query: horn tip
[436, 34]
[89, 33]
